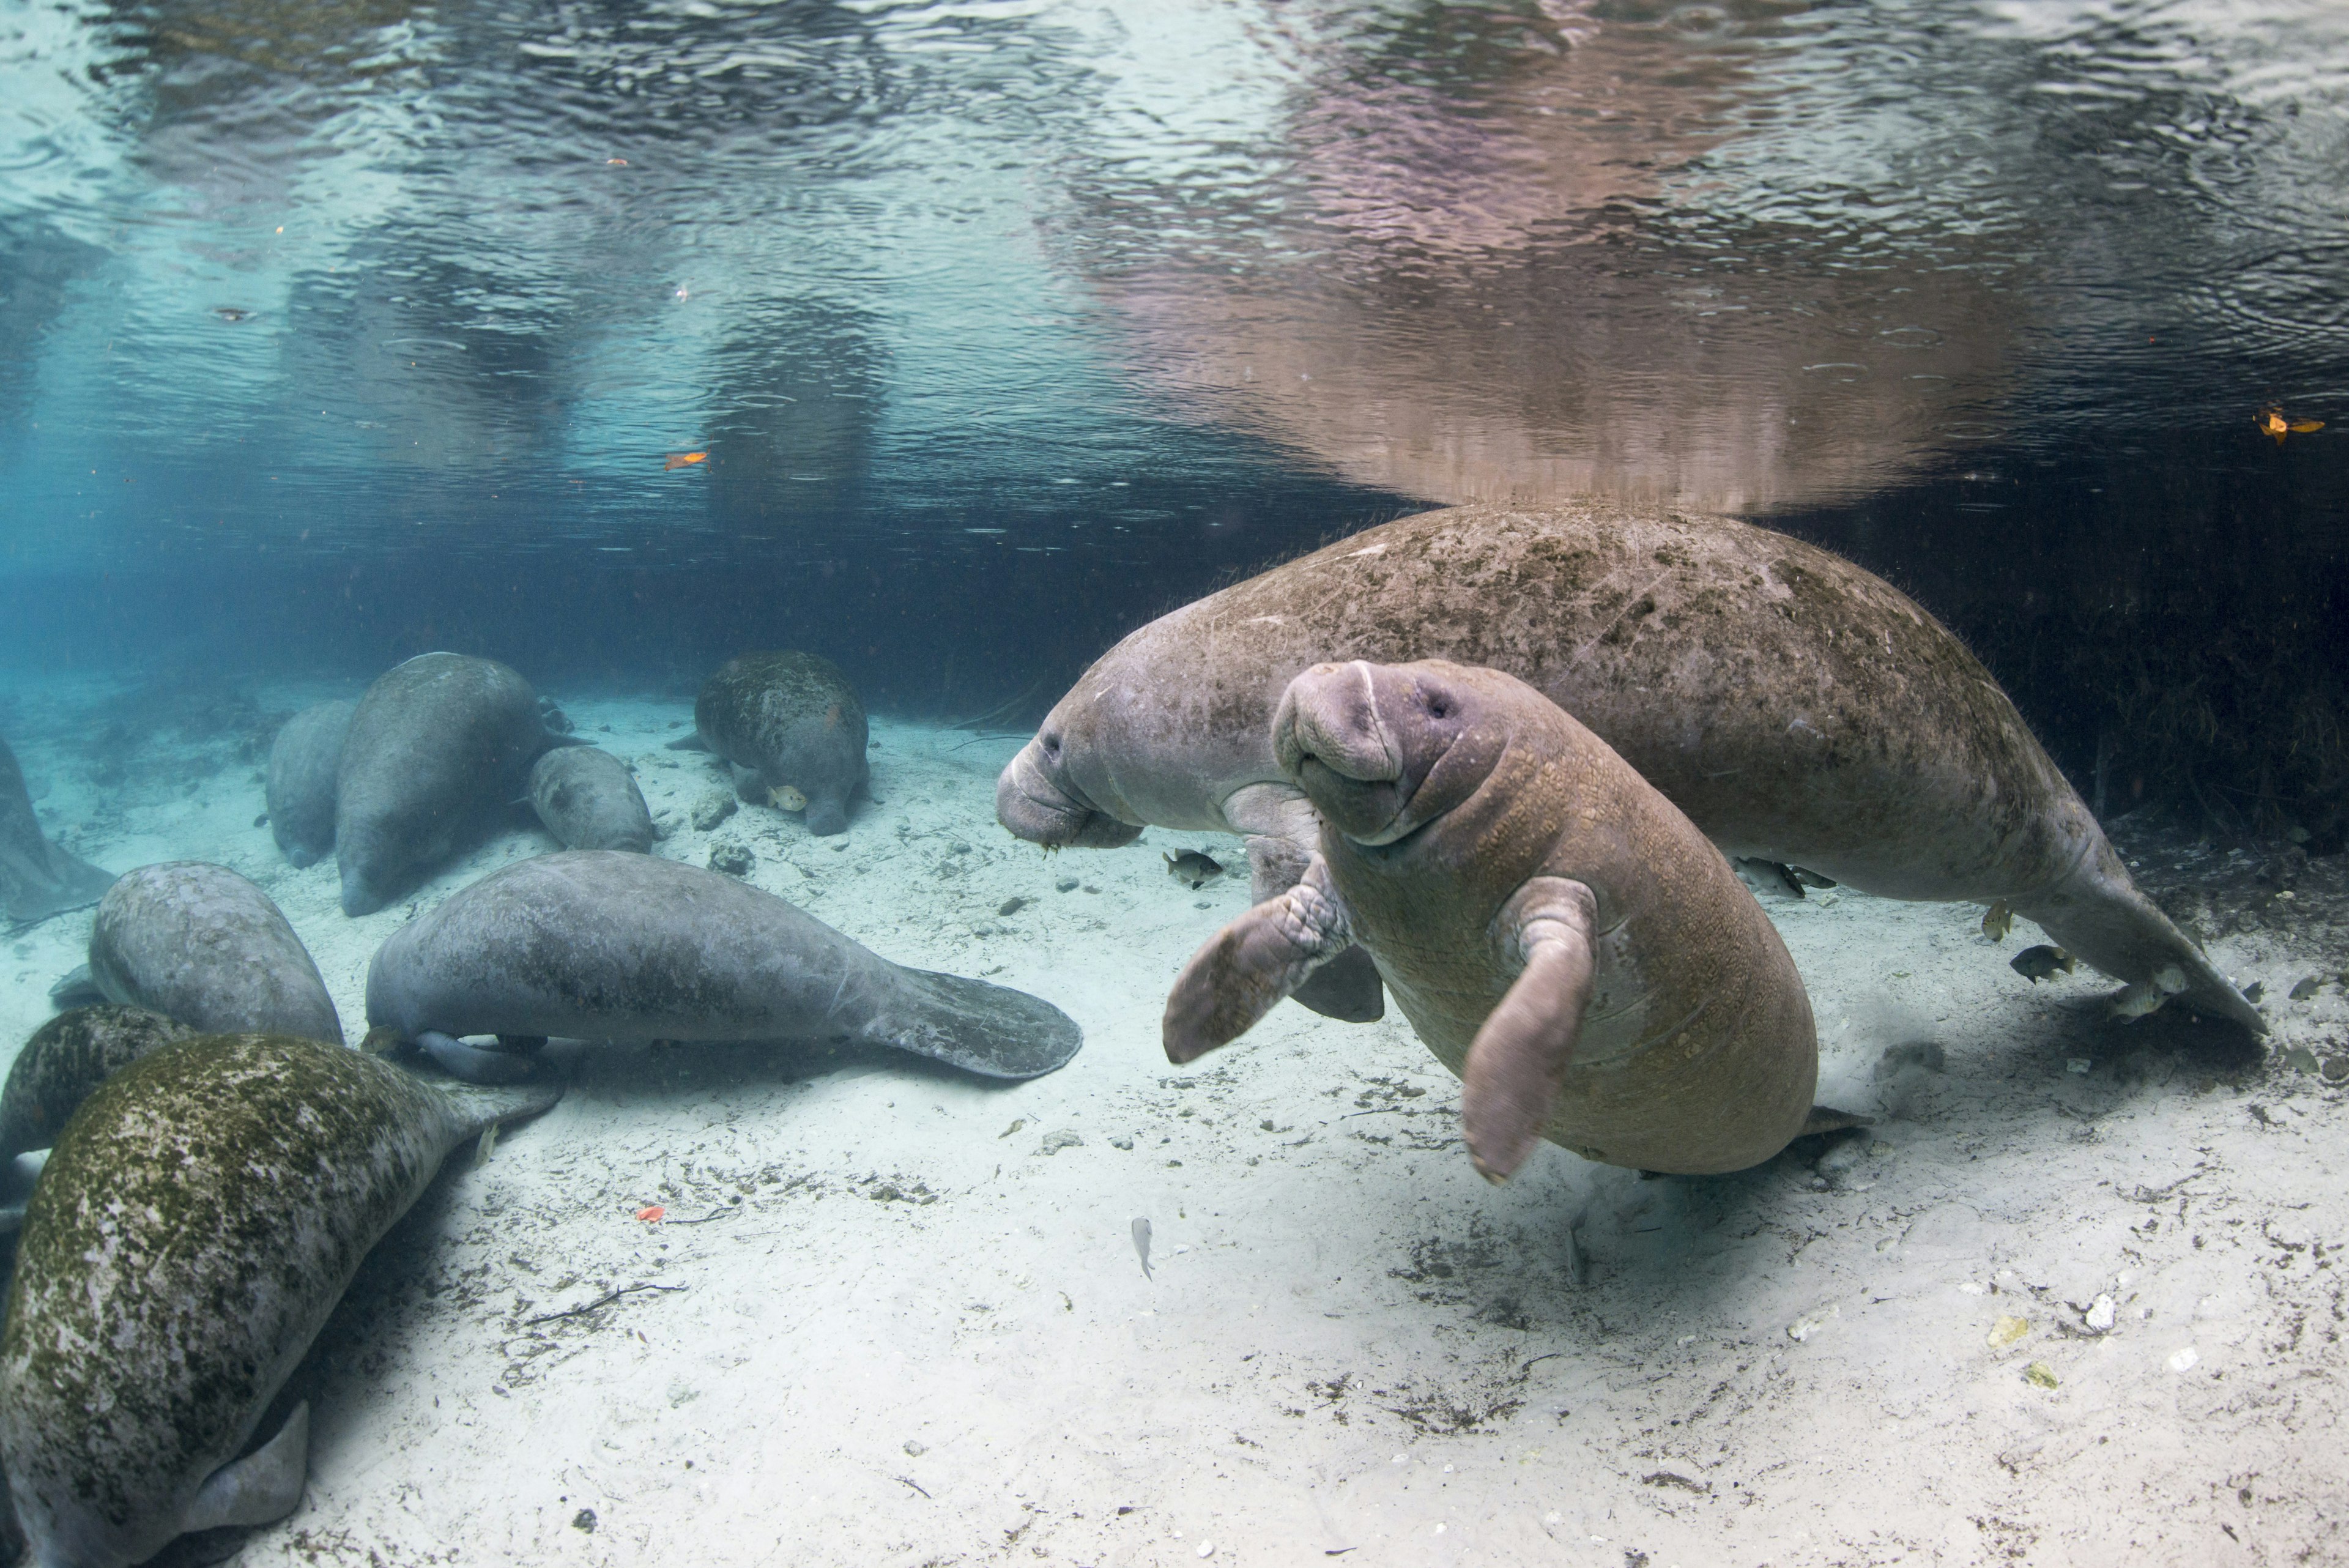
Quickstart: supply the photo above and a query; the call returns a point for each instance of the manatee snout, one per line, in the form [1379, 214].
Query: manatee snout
[1034, 801]
[359, 897]
[1376, 747]
[827, 815]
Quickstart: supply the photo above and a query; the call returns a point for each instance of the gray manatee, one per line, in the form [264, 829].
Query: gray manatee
[603, 945]
[67, 1058]
[792, 727]
[589, 800]
[201, 944]
[1798, 709]
[1556, 931]
[304, 761]
[37, 879]
[437, 746]
[198, 1220]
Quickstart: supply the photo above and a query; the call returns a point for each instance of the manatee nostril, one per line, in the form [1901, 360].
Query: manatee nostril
[1052, 743]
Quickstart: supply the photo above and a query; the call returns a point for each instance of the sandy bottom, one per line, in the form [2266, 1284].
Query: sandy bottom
[895, 1316]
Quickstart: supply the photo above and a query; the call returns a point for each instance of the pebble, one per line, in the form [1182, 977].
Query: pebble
[712, 809]
[2336, 1068]
[2099, 1315]
[2039, 1375]
[1054, 1142]
[2184, 1360]
[2300, 1059]
[2006, 1330]
[734, 859]
[1206, 1549]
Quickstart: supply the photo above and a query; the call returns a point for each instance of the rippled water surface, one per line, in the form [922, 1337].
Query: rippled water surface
[1096, 297]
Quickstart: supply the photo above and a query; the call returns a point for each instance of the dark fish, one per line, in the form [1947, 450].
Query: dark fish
[1193, 868]
[2042, 963]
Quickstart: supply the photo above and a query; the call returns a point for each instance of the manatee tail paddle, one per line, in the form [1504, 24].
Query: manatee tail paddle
[990, 1030]
[2099, 916]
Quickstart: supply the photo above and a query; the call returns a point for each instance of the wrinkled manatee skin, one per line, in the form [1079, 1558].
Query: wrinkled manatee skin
[794, 721]
[303, 763]
[37, 879]
[66, 1059]
[589, 800]
[437, 744]
[198, 1218]
[603, 945]
[201, 944]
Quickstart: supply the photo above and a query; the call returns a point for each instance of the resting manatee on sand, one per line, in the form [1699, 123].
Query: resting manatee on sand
[37, 879]
[794, 729]
[299, 790]
[197, 1221]
[589, 800]
[436, 746]
[1559, 934]
[1797, 707]
[200, 944]
[603, 945]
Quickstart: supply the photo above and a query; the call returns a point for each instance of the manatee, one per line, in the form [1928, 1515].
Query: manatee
[603, 945]
[201, 944]
[791, 724]
[1799, 710]
[197, 1220]
[1559, 933]
[437, 744]
[589, 800]
[303, 763]
[67, 1058]
[37, 879]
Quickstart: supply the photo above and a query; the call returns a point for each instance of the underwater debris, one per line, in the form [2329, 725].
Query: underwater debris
[651, 1214]
[1142, 1245]
[684, 460]
[2042, 962]
[1998, 921]
[2006, 1330]
[2039, 1375]
[2272, 422]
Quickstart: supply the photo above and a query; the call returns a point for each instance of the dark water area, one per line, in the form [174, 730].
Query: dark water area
[955, 341]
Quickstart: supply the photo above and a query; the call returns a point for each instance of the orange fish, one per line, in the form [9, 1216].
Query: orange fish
[687, 459]
[652, 1215]
[2272, 422]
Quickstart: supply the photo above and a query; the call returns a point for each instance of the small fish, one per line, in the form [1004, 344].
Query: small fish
[651, 1214]
[684, 460]
[238, 312]
[1810, 879]
[621, 162]
[2254, 991]
[2307, 988]
[2140, 998]
[2042, 963]
[2272, 422]
[1142, 1245]
[1997, 922]
[1193, 868]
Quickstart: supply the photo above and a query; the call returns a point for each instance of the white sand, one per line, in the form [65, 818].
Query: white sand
[906, 1335]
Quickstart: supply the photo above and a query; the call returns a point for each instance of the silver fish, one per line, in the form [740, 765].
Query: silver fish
[1142, 1245]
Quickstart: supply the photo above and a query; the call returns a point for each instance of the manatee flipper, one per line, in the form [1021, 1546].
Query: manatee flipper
[261, 1487]
[470, 1063]
[1346, 987]
[2097, 915]
[692, 742]
[1246, 968]
[77, 989]
[990, 1030]
[1518, 1060]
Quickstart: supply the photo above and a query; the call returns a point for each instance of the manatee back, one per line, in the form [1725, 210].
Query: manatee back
[433, 745]
[206, 947]
[589, 800]
[68, 1057]
[303, 763]
[199, 1216]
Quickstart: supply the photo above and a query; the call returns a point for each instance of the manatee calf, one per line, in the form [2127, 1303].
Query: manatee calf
[792, 726]
[67, 1058]
[603, 945]
[201, 944]
[1556, 931]
[589, 800]
[37, 879]
[197, 1220]
[435, 747]
[304, 761]
[1798, 709]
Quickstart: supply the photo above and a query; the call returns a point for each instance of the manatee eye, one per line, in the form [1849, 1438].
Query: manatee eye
[1439, 706]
